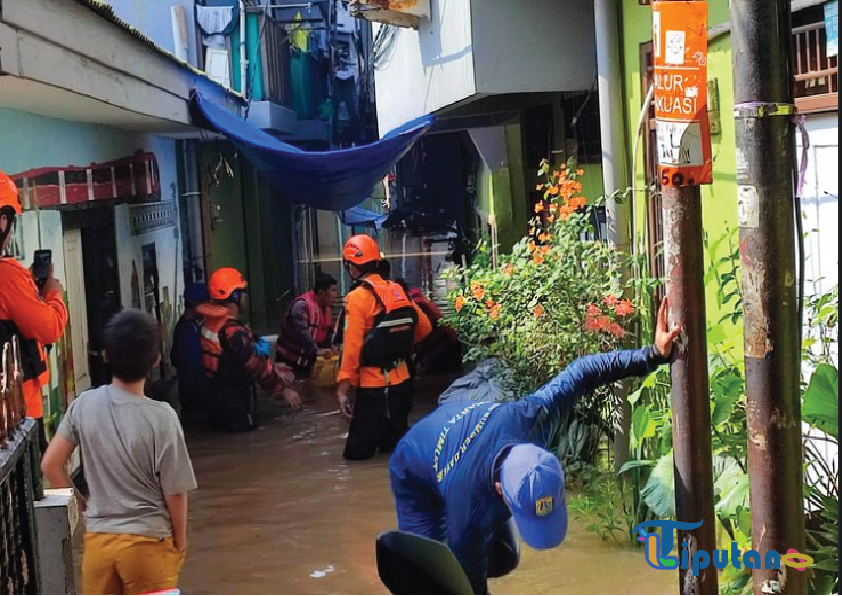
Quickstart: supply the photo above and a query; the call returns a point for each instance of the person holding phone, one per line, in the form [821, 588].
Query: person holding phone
[31, 307]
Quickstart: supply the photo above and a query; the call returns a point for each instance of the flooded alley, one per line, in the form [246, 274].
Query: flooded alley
[278, 511]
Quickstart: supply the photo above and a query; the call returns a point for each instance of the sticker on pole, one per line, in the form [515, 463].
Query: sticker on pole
[681, 115]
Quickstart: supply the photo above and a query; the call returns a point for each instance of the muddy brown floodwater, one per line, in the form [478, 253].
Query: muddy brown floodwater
[278, 511]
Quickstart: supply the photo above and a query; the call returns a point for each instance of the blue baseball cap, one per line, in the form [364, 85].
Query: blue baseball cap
[533, 487]
[196, 293]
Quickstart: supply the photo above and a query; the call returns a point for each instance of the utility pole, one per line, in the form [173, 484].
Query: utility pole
[684, 162]
[763, 97]
[614, 174]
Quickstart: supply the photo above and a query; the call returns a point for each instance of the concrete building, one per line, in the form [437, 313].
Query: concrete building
[510, 84]
[92, 117]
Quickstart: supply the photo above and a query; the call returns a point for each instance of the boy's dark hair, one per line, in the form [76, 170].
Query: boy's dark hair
[385, 269]
[132, 344]
[323, 282]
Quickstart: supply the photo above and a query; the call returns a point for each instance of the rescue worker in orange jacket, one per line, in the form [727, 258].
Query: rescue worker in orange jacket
[381, 327]
[229, 357]
[37, 317]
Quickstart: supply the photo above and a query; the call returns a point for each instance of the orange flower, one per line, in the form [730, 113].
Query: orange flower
[539, 187]
[553, 190]
[494, 312]
[593, 310]
[591, 325]
[603, 322]
[615, 330]
[489, 303]
[539, 206]
[550, 218]
[578, 202]
[538, 258]
[508, 269]
[580, 172]
[625, 308]
[562, 178]
[610, 301]
[553, 207]
[531, 246]
[539, 311]
[478, 293]
[459, 303]
[546, 249]
[532, 231]
[578, 187]
[565, 211]
[544, 237]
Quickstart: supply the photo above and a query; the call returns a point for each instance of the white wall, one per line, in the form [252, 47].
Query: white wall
[820, 206]
[534, 46]
[473, 48]
[428, 69]
[154, 19]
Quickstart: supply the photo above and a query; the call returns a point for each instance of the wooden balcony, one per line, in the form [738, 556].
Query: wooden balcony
[816, 75]
[276, 61]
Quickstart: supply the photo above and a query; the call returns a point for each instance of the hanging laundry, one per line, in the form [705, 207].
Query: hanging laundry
[215, 22]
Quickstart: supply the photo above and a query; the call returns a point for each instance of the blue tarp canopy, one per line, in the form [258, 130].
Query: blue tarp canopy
[329, 180]
[357, 216]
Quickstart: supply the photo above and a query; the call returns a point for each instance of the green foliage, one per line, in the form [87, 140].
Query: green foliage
[555, 298]
[821, 400]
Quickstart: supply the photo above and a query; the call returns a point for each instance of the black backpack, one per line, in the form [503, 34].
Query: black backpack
[391, 339]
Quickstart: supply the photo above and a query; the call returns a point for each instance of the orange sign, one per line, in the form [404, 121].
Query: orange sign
[680, 55]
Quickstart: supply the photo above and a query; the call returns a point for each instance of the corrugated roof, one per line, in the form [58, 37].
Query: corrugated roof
[106, 11]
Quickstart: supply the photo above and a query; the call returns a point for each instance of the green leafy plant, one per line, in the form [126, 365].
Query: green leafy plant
[556, 297]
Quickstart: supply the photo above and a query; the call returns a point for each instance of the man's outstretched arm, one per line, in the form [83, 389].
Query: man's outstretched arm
[590, 372]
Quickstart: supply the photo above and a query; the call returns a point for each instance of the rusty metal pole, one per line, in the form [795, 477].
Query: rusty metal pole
[763, 94]
[691, 430]
[675, 66]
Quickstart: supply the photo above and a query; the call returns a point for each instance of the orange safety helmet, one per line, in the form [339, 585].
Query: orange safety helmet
[361, 249]
[224, 282]
[9, 194]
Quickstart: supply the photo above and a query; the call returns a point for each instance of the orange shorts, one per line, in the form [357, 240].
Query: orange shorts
[129, 564]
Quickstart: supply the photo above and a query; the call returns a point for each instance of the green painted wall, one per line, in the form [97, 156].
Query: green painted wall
[719, 201]
[276, 247]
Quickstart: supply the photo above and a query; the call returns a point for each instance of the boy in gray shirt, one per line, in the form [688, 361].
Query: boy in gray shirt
[136, 466]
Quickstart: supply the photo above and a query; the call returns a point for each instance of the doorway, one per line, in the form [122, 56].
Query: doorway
[101, 277]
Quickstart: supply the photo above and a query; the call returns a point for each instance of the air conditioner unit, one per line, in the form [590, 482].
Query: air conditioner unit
[57, 518]
[401, 13]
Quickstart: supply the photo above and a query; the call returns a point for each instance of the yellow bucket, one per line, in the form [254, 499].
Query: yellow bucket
[325, 371]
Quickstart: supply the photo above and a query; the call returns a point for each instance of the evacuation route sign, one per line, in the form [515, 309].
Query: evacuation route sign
[680, 54]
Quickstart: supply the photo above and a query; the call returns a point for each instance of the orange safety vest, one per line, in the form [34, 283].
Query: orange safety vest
[216, 317]
[40, 319]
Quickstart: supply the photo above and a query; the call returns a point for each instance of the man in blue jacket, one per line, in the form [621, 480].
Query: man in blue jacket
[463, 473]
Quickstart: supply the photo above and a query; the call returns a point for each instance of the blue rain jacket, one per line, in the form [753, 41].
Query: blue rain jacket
[442, 472]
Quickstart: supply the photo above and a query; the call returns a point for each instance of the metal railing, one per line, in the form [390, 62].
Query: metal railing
[20, 481]
[816, 74]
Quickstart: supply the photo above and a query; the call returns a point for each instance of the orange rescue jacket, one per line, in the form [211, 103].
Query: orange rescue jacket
[42, 319]
[361, 308]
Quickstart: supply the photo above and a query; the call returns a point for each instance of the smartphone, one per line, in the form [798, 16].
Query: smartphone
[41, 266]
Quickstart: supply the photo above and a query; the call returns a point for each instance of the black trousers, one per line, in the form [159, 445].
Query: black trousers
[381, 419]
[234, 409]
